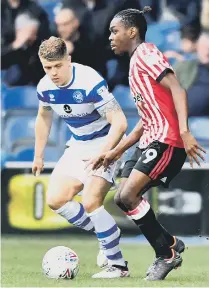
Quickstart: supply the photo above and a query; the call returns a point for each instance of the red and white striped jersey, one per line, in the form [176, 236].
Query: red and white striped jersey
[154, 103]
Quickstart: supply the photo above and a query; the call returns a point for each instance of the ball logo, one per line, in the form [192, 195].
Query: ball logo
[66, 274]
[78, 96]
[67, 108]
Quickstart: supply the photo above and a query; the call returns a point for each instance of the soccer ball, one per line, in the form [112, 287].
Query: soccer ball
[60, 262]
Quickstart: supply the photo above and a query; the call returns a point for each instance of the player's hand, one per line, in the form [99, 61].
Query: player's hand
[38, 166]
[105, 160]
[192, 148]
[96, 162]
[110, 157]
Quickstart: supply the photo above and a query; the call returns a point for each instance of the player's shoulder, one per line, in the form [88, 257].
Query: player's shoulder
[45, 84]
[146, 49]
[87, 74]
[81, 67]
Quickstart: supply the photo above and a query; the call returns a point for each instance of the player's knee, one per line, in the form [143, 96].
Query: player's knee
[117, 199]
[91, 204]
[56, 199]
[59, 194]
[55, 202]
[125, 200]
[121, 202]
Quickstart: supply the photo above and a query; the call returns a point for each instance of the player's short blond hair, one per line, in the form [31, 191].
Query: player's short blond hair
[52, 49]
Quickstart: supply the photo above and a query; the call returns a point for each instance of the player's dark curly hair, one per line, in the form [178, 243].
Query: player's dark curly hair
[135, 18]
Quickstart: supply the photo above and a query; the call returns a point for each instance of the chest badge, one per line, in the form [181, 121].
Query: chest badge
[78, 96]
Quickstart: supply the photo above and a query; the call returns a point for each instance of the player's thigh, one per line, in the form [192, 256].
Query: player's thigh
[98, 184]
[152, 165]
[174, 167]
[127, 169]
[63, 183]
[152, 160]
[129, 164]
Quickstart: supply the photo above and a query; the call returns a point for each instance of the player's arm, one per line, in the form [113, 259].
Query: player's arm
[115, 116]
[42, 130]
[114, 154]
[179, 95]
[130, 140]
[170, 82]
[157, 66]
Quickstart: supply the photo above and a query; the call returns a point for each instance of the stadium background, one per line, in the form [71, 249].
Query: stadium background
[184, 207]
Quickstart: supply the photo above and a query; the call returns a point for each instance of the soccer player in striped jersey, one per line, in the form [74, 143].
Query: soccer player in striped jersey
[163, 135]
[80, 96]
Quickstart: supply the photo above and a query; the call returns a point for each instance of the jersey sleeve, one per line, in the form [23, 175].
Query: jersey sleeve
[99, 93]
[41, 96]
[154, 63]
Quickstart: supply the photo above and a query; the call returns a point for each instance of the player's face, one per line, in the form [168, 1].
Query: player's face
[59, 71]
[119, 37]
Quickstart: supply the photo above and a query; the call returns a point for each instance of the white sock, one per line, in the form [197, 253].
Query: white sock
[75, 214]
[108, 235]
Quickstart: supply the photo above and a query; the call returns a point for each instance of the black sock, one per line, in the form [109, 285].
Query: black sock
[154, 233]
[169, 238]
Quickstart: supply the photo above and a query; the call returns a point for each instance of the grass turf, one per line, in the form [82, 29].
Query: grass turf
[22, 257]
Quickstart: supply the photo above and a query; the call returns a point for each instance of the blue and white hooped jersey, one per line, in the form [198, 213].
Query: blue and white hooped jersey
[78, 102]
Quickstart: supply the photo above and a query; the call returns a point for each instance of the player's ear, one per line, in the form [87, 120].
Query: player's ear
[132, 32]
[69, 59]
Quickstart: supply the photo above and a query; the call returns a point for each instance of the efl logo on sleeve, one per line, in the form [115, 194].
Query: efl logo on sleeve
[103, 91]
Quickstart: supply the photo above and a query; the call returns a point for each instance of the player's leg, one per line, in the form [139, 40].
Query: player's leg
[106, 228]
[175, 243]
[143, 187]
[139, 210]
[172, 241]
[64, 184]
[161, 267]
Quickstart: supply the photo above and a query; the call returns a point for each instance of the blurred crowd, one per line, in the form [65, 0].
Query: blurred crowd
[84, 25]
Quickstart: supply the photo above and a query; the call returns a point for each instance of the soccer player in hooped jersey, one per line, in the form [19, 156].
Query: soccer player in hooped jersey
[163, 135]
[80, 96]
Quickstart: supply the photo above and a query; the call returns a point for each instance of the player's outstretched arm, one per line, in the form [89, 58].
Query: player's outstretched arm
[130, 140]
[192, 148]
[107, 158]
[42, 130]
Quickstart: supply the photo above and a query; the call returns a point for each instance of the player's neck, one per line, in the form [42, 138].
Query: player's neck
[69, 79]
[133, 47]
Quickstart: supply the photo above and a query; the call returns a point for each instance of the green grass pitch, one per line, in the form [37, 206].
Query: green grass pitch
[22, 257]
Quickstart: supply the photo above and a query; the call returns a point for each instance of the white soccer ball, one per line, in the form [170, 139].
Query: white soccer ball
[60, 262]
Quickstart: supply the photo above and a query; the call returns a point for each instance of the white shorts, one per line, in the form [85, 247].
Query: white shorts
[73, 162]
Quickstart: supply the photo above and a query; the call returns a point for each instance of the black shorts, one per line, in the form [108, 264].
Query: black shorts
[160, 161]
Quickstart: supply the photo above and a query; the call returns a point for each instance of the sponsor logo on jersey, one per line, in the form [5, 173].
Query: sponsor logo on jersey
[73, 115]
[67, 108]
[78, 96]
[138, 98]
